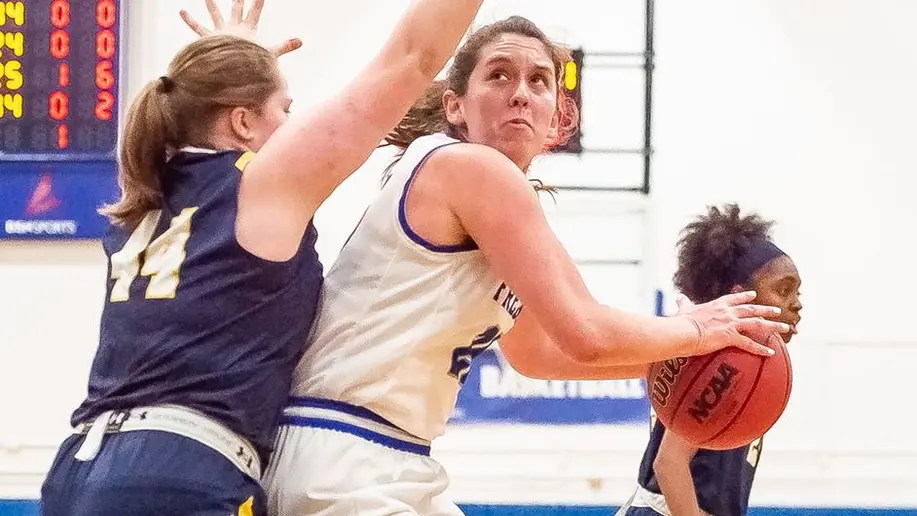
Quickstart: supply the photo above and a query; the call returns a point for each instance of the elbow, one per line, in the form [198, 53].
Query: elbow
[584, 336]
[598, 339]
[425, 60]
[526, 364]
[533, 369]
[580, 343]
[527, 360]
[661, 464]
[670, 463]
[581, 351]
[665, 467]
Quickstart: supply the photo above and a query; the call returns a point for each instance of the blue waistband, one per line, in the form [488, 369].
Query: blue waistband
[351, 419]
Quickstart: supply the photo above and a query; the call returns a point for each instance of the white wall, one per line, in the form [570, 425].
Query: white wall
[798, 109]
[803, 110]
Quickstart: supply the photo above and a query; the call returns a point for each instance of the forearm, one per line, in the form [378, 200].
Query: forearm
[565, 368]
[429, 32]
[533, 353]
[672, 468]
[677, 486]
[616, 338]
[554, 365]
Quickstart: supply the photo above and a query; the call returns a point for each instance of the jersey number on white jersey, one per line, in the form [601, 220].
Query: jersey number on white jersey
[462, 356]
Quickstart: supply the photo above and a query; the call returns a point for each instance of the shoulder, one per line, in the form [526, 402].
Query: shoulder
[469, 165]
[478, 181]
[464, 154]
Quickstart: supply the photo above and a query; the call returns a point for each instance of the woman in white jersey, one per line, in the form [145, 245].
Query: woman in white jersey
[437, 270]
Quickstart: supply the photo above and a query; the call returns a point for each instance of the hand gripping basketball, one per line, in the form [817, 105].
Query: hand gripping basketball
[724, 397]
[732, 321]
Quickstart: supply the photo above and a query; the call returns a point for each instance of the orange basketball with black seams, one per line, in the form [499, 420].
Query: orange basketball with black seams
[723, 400]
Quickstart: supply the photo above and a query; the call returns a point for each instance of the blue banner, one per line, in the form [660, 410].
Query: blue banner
[55, 200]
[495, 393]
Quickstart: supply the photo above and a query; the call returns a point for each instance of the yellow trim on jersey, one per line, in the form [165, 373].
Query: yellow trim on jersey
[246, 508]
[244, 160]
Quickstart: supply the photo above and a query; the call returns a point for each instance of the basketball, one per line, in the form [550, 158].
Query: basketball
[723, 400]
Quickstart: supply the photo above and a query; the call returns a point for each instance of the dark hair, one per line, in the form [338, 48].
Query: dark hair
[710, 247]
[428, 115]
[210, 75]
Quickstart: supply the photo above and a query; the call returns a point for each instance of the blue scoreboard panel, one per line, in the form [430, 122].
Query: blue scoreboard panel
[60, 84]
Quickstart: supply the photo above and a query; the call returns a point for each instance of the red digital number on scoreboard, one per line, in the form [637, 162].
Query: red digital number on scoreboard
[59, 77]
[105, 78]
[59, 101]
[106, 45]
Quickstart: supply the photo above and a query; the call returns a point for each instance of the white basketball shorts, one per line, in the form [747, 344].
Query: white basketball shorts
[334, 459]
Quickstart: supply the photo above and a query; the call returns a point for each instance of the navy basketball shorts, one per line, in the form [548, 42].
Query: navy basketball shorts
[151, 473]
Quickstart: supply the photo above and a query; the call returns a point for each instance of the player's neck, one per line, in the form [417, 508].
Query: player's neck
[222, 142]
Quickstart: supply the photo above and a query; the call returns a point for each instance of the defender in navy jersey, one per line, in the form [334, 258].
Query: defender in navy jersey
[214, 279]
[236, 321]
[197, 329]
[720, 252]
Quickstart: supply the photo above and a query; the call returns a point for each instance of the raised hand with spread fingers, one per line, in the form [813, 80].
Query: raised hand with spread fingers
[242, 26]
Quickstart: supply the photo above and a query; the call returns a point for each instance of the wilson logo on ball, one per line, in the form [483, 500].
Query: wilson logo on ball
[665, 378]
[712, 395]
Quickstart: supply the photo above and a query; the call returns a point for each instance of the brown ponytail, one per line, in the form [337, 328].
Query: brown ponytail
[208, 76]
[148, 133]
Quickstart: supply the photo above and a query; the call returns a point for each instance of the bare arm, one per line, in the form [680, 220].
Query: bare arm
[532, 352]
[673, 472]
[309, 156]
[493, 202]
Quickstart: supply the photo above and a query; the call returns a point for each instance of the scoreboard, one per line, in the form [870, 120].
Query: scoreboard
[573, 88]
[60, 84]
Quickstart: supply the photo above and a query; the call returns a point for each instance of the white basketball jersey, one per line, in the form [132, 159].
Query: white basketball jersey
[400, 318]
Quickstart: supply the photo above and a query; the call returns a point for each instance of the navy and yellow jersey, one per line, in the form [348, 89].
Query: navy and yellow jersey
[191, 318]
[722, 478]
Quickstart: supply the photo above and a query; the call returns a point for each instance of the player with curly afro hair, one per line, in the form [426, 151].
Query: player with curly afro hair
[719, 252]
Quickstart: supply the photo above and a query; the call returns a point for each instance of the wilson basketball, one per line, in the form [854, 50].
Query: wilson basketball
[723, 400]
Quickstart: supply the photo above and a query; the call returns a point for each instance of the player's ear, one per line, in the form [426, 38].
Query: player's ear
[455, 110]
[241, 120]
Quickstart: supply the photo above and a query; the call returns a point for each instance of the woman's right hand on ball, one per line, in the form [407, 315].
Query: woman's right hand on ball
[732, 320]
